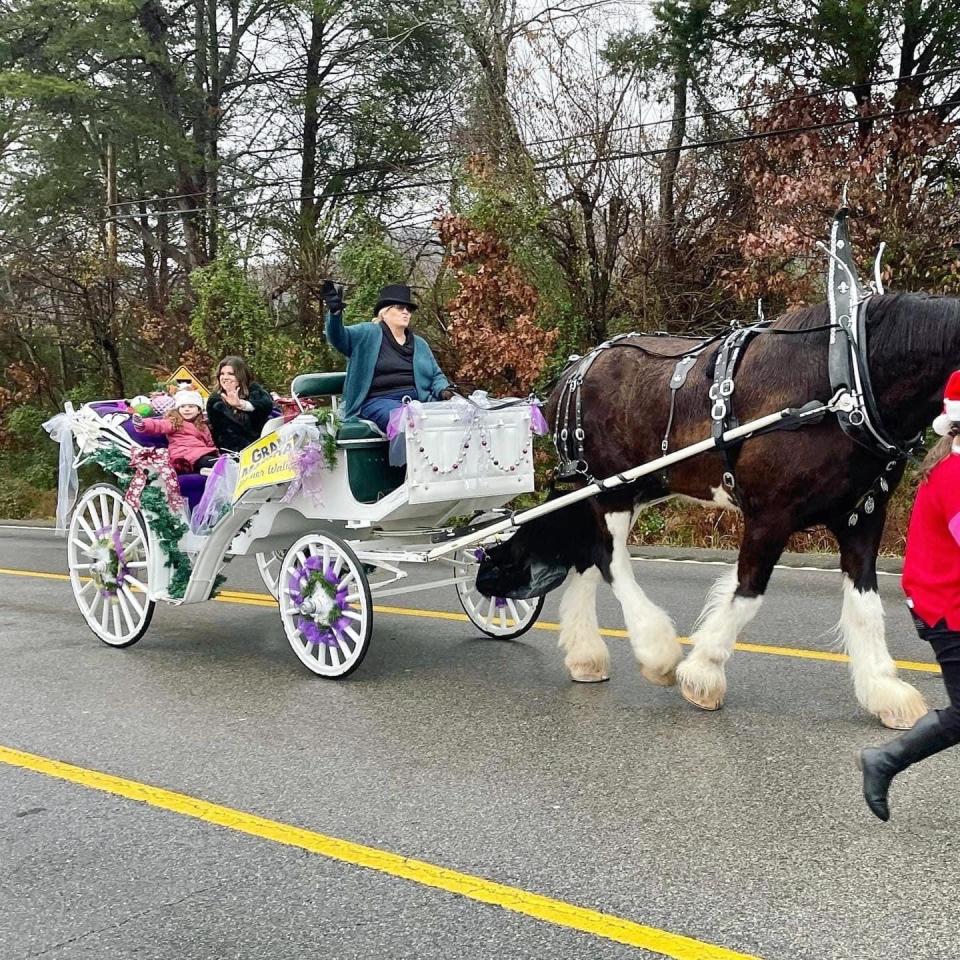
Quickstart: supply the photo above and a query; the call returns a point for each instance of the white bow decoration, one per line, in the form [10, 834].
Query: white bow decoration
[61, 430]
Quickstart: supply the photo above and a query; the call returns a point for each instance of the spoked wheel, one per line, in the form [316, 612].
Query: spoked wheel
[269, 566]
[325, 604]
[495, 616]
[107, 553]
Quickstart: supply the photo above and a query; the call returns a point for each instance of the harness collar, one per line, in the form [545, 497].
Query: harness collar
[847, 358]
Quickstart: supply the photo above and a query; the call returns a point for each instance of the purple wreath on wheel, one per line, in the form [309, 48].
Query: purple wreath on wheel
[109, 550]
[304, 583]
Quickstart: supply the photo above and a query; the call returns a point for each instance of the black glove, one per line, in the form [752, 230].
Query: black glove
[332, 296]
[447, 394]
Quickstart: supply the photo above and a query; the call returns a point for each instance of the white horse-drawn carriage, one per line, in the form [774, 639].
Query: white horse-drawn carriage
[331, 522]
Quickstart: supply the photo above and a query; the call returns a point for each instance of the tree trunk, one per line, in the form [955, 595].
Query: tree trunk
[670, 162]
[152, 19]
[308, 168]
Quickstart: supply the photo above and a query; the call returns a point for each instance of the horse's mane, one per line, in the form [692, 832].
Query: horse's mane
[902, 324]
[898, 324]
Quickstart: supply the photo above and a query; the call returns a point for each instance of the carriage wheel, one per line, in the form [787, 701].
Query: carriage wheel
[269, 566]
[498, 617]
[325, 604]
[107, 554]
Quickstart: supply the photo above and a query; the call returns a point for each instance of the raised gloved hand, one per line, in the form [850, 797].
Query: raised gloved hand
[332, 296]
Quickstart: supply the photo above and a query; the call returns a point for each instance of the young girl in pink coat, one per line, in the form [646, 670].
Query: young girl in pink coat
[188, 437]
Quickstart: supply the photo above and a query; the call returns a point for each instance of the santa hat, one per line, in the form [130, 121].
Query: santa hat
[186, 398]
[951, 406]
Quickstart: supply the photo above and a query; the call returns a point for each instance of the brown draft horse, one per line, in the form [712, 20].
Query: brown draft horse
[785, 482]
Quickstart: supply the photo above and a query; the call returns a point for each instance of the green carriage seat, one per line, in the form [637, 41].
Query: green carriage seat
[368, 467]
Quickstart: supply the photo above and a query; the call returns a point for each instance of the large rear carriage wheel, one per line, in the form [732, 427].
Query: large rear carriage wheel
[108, 559]
[499, 617]
[325, 605]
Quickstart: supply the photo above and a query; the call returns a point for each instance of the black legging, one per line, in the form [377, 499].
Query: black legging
[206, 462]
[946, 648]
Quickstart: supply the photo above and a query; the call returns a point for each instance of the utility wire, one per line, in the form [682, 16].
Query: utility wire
[559, 164]
[645, 125]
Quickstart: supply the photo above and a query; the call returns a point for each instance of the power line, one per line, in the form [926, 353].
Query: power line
[559, 164]
[645, 125]
[823, 91]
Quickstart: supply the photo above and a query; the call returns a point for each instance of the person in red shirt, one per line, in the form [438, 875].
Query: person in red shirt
[931, 582]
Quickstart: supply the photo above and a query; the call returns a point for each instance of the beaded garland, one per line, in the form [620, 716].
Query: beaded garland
[464, 444]
[487, 446]
[477, 419]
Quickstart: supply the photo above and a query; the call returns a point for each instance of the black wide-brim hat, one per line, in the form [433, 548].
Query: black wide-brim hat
[395, 295]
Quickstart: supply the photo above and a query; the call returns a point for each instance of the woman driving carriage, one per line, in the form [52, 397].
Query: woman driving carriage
[388, 362]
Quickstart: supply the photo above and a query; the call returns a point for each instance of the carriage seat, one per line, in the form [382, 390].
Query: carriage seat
[358, 432]
[319, 384]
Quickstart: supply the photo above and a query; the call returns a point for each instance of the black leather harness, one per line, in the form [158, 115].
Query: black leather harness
[852, 394]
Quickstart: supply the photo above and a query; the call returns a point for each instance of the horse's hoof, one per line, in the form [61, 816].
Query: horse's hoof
[667, 679]
[895, 721]
[705, 701]
[589, 676]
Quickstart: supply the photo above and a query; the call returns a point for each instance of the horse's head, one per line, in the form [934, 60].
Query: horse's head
[538, 557]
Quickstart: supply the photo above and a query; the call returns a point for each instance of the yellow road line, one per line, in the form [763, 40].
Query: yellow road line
[265, 600]
[534, 905]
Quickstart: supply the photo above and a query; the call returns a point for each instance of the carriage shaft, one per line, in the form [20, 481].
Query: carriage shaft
[811, 411]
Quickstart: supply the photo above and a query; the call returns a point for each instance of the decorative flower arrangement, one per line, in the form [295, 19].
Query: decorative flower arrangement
[308, 462]
[321, 598]
[110, 570]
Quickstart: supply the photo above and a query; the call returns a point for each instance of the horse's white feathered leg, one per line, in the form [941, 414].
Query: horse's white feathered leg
[875, 682]
[651, 631]
[702, 678]
[587, 657]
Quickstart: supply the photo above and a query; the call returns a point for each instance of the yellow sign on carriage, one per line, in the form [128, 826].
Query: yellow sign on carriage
[264, 463]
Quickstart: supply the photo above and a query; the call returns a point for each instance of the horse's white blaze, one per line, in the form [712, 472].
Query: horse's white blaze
[721, 620]
[875, 682]
[651, 631]
[587, 657]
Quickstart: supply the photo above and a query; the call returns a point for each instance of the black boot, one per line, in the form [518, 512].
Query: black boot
[881, 764]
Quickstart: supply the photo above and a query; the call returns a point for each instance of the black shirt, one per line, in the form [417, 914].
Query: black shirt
[394, 370]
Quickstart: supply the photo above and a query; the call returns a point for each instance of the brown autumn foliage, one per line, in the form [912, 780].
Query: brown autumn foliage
[492, 317]
[892, 167]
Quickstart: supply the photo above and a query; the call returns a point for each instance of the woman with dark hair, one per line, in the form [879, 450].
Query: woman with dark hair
[239, 408]
[931, 582]
[388, 362]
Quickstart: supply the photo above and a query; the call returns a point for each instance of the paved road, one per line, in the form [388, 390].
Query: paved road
[742, 829]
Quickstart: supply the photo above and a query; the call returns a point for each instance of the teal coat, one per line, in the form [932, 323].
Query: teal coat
[360, 344]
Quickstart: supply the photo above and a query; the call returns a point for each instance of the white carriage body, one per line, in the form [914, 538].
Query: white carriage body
[461, 460]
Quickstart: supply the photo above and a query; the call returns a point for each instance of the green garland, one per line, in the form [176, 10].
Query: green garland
[329, 425]
[167, 528]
